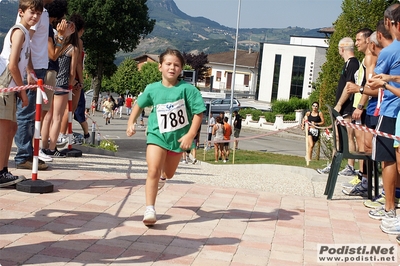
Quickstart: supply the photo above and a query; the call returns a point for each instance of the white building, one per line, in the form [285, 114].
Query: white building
[221, 71]
[289, 70]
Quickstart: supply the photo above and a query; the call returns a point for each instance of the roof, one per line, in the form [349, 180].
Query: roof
[153, 57]
[328, 30]
[243, 58]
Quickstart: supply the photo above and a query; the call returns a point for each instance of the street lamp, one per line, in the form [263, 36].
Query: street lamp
[234, 62]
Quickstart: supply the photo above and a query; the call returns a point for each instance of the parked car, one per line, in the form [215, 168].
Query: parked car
[222, 105]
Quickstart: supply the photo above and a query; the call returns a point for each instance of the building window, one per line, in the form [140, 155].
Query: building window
[246, 80]
[275, 81]
[296, 88]
[218, 75]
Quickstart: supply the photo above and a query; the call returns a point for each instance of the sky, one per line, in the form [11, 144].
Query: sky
[265, 13]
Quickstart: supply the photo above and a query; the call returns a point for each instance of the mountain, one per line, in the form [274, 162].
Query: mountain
[8, 14]
[198, 34]
[178, 30]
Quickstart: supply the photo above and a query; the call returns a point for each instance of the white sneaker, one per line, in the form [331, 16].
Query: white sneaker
[150, 217]
[62, 140]
[324, 170]
[44, 157]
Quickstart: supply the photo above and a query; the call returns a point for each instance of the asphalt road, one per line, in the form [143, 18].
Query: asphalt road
[135, 147]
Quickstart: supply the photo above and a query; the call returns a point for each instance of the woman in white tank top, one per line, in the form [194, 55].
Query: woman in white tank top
[218, 133]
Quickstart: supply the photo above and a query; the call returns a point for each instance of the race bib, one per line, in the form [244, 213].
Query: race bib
[314, 132]
[172, 116]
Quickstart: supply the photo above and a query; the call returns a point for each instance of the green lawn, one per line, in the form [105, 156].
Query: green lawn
[257, 157]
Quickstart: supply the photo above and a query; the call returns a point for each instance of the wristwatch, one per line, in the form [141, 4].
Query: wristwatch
[61, 38]
[361, 90]
[384, 85]
[360, 106]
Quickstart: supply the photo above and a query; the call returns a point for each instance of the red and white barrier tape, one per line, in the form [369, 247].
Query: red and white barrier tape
[366, 129]
[27, 87]
[309, 123]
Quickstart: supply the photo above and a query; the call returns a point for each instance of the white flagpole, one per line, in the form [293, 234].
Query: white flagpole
[234, 62]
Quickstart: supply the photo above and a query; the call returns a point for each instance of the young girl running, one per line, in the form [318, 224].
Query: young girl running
[172, 125]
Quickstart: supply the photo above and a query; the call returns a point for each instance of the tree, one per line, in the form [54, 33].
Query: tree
[356, 14]
[110, 26]
[198, 63]
[126, 77]
[149, 73]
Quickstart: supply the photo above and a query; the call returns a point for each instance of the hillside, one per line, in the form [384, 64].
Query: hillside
[189, 34]
[198, 34]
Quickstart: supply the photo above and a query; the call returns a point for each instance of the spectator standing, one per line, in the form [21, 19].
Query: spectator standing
[227, 136]
[218, 133]
[361, 98]
[344, 103]
[65, 81]
[13, 61]
[128, 104]
[379, 39]
[211, 123]
[384, 148]
[344, 100]
[120, 104]
[37, 67]
[237, 126]
[56, 11]
[80, 111]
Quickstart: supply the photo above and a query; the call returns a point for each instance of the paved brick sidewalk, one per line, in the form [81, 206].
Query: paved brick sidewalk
[94, 218]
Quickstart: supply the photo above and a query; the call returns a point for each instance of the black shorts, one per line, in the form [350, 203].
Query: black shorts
[382, 148]
[347, 112]
[62, 91]
[209, 136]
[314, 138]
[226, 144]
[371, 121]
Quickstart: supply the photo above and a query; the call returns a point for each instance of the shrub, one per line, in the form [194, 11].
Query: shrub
[289, 117]
[289, 106]
[285, 107]
[254, 113]
[270, 117]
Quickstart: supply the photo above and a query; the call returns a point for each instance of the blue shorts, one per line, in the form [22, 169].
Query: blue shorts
[79, 114]
[371, 121]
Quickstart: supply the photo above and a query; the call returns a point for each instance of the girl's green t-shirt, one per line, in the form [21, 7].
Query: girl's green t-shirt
[172, 113]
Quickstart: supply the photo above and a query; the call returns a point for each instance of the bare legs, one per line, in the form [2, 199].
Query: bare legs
[159, 162]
